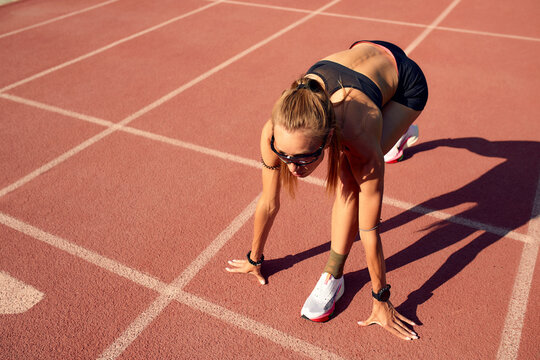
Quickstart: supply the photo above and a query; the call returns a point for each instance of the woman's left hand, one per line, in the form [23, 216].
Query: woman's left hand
[385, 314]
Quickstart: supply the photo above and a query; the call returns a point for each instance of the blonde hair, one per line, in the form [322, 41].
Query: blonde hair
[307, 106]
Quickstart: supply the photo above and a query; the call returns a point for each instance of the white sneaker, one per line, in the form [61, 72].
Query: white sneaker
[321, 303]
[408, 139]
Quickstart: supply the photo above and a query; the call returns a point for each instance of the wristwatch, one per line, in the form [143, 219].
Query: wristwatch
[383, 295]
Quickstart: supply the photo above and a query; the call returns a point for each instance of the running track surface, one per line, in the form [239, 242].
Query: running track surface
[129, 173]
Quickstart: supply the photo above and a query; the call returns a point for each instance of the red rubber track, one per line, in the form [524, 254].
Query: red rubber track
[129, 147]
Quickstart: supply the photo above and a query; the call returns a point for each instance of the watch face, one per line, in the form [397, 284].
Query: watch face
[384, 294]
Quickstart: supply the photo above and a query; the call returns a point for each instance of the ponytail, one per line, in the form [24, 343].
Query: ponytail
[307, 106]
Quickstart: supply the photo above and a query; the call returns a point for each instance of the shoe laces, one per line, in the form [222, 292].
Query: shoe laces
[323, 290]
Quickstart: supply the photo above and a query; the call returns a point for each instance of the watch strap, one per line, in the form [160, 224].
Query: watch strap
[383, 295]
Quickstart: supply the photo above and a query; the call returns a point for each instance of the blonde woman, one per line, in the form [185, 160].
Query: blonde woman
[357, 105]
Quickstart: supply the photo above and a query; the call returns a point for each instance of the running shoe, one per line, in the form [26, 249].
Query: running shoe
[407, 140]
[321, 303]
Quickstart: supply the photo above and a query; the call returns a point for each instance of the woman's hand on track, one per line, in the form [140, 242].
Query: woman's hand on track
[385, 314]
[244, 267]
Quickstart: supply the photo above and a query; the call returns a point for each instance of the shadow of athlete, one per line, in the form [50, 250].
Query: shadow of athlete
[503, 196]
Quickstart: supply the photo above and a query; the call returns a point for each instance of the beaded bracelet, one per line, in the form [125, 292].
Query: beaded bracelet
[270, 167]
[258, 263]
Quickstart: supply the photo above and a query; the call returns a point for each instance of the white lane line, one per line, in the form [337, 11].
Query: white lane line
[136, 327]
[57, 110]
[57, 18]
[324, 13]
[496, 230]
[430, 27]
[146, 318]
[487, 33]
[107, 47]
[268, 6]
[80, 252]
[386, 21]
[173, 289]
[160, 101]
[17, 297]
[410, 49]
[215, 246]
[517, 308]
[193, 147]
[231, 60]
[507, 233]
[285, 340]
[53, 163]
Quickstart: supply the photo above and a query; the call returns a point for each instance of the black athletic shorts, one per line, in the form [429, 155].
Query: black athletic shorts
[412, 90]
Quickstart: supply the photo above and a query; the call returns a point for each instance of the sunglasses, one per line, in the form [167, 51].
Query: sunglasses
[299, 160]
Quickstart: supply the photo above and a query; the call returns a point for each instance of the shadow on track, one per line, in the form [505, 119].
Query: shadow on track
[503, 196]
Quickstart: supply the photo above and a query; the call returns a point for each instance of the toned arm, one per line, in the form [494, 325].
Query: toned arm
[366, 161]
[268, 205]
[266, 210]
[370, 178]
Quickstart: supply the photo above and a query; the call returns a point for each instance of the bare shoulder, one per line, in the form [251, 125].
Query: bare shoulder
[266, 136]
[266, 132]
[361, 126]
[267, 154]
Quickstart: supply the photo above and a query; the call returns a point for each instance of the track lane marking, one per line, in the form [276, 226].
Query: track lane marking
[456, 219]
[488, 33]
[61, 17]
[174, 288]
[517, 307]
[385, 21]
[17, 297]
[57, 110]
[410, 48]
[279, 337]
[80, 252]
[507, 233]
[173, 291]
[147, 317]
[518, 344]
[158, 102]
[212, 2]
[107, 47]
[430, 27]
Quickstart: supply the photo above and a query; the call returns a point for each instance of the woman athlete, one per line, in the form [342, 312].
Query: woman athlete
[359, 104]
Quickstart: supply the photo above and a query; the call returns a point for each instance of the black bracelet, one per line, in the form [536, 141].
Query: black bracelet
[277, 167]
[258, 263]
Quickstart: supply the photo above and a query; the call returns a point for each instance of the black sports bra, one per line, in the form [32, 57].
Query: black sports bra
[336, 76]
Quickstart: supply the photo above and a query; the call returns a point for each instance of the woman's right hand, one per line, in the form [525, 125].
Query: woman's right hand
[244, 267]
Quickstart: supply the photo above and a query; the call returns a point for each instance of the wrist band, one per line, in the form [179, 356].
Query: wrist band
[258, 263]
